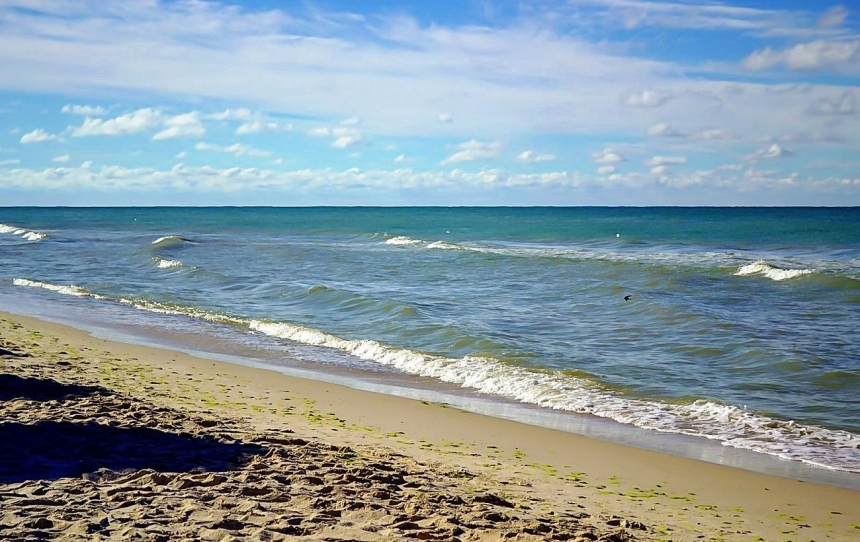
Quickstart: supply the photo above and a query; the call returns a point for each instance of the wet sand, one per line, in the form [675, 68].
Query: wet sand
[103, 440]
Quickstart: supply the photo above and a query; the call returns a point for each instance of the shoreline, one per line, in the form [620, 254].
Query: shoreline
[647, 495]
[200, 344]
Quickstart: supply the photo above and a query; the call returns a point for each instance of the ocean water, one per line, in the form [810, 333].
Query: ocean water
[742, 325]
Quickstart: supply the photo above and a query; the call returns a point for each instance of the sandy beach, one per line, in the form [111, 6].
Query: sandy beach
[103, 440]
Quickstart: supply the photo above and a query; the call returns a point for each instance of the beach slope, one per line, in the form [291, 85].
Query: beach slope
[102, 440]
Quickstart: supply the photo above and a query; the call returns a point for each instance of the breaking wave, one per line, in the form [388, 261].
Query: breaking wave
[402, 240]
[28, 235]
[60, 289]
[171, 241]
[770, 271]
[167, 264]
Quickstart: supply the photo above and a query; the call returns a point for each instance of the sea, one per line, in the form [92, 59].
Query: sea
[728, 334]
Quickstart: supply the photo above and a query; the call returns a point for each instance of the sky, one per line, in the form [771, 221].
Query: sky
[473, 102]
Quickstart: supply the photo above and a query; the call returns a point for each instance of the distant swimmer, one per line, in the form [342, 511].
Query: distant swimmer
[627, 297]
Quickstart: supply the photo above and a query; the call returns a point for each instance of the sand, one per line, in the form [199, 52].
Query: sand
[102, 440]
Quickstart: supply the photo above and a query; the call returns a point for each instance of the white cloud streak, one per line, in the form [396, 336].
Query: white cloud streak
[244, 181]
[474, 150]
[812, 56]
[237, 149]
[84, 110]
[531, 157]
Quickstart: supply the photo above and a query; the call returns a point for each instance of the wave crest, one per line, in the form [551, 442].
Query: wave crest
[403, 240]
[28, 235]
[770, 271]
[444, 246]
[167, 264]
[171, 241]
[59, 288]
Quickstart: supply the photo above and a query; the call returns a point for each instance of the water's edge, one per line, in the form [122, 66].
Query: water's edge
[417, 389]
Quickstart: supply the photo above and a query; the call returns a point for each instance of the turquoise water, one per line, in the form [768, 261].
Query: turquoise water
[741, 325]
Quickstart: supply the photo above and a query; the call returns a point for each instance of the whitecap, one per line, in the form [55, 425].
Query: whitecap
[402, 240]
[171, 240]
[61, 289]
[167, 264]
[770, 271]
[444, 246]
[28, 235]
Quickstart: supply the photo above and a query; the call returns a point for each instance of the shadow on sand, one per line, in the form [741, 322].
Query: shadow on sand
[14, 387]
[51, 450]
[48, 449]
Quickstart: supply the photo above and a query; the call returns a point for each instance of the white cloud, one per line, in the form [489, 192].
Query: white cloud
[773, 151]
[181, 155]
[606, 170]
[210, 179]
[446, 118]
[37, 136]
[608, 156]
[130, 123]
[345, 141]
[816, 55]
[125, 184]
[344, 136]
[351, 121]
[401, 158]
[231, 114]
[236, 149]
[530, 157]
[648, 98]
[660, 164]
[663, 130]
[658, 161]
[844, 105]
[473, 150]
[673, 14]
[185, 125]
[715, 133]
[9, 162]
[393, 74]
[833, 17]
[63, 158]
[85, 110]
[258, 126]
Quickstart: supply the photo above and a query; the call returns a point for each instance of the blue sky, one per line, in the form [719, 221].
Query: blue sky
[578, 102]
